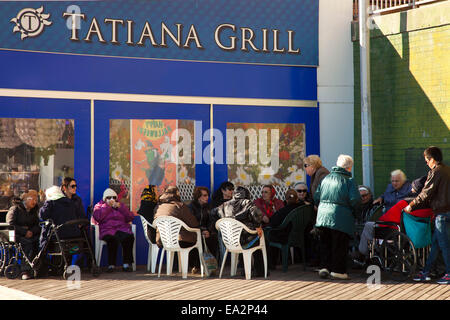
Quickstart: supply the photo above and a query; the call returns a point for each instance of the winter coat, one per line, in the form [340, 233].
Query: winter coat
[242, 209]
[391, 196]
[316, 178]
[338, 196]
[436, 191]
[277, 204]
[110, 220]
[79, 204]
[171, 205]
[202, 214]
[24, 221]
[279, 216]
[61, 211]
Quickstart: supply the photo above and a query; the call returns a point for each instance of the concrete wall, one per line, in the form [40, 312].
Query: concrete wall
[410, 91]
[335, 80]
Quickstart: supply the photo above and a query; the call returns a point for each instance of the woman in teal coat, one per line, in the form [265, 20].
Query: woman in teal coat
[338, 195]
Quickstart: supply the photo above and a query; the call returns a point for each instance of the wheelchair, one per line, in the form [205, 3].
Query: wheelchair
[393, 251]
[54, 254]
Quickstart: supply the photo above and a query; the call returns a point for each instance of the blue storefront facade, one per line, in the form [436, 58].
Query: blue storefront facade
[214, 63]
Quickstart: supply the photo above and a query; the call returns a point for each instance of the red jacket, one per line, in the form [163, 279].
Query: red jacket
[394, 214]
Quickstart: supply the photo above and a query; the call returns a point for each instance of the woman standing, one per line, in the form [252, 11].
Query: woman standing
[338, 196]
[314, 169]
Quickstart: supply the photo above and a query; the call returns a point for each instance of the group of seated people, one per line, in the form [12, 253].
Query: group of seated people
[114, 218]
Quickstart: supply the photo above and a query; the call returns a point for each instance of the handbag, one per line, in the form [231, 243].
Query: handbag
[210, 260]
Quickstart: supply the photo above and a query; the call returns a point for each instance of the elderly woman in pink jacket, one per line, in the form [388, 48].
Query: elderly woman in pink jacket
[113, 219]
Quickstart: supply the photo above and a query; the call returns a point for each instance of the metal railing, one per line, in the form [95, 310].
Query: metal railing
[386, 6]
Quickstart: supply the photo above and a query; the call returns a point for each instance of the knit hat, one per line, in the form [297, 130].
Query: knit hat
[419, 183]
[109, 193]
[54, 193]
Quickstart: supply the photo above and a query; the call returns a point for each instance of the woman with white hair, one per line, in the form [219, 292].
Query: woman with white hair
[398, 189]
[113, 219]
[338, 196]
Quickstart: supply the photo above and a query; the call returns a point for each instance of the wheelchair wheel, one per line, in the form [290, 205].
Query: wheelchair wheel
[12, 271]
[400, 259]
[2, 258]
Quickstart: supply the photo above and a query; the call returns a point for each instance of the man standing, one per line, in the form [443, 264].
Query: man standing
[436, 193]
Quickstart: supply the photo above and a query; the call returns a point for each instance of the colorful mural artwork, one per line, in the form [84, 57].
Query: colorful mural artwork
[272, 155]
[150, 152]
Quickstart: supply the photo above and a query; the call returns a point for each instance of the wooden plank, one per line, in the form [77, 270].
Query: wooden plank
[295, 284]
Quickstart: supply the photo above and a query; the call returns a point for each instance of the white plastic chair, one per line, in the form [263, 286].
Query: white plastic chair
[231, 230]
[100, 243]
[169, 230]
[153, 249]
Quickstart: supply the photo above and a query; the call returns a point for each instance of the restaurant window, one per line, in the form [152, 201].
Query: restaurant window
[34, 154]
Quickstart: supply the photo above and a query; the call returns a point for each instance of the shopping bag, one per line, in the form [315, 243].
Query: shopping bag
[210, 260]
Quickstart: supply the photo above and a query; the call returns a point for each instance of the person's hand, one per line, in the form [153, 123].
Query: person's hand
[260, 231]
[29, 234]
[205, 233]
[407, 209]
[265, 219]
[378, 200]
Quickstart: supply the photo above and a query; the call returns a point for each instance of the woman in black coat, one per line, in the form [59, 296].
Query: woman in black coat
[201, 209]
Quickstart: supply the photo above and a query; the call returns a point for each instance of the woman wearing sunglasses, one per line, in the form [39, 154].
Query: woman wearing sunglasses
[69, 188]
[113, 219]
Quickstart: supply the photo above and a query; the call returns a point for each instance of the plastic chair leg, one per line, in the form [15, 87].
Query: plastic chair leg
[98, 253]
[202, 263]
[149, 258]
[154, 257]
[234, 263]
[292, 254]
[223, 263]
[134, 254]
[264, 253]
[160, 261]
[169, 262]
[247, 257]
[285, 257]
[184, 254]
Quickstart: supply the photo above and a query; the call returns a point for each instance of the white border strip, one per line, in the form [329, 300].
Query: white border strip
[78, 95]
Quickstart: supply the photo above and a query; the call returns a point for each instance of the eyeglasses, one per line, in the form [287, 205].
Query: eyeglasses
[364, 195]
[306, 165]
[73, 186]
[109, 198]
[301, 190]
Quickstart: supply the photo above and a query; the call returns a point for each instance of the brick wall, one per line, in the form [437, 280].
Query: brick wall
[410, 92]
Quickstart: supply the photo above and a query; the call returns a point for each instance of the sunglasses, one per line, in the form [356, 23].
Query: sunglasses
[301, 190]
[306, 165]
[109, 198]
[73, 186]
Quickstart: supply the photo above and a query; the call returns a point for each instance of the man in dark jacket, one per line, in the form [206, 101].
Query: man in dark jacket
[24, 217]
[241, 208]
[436, 193]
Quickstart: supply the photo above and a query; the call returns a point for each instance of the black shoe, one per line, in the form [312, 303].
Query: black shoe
[110, 269]
[127, 269]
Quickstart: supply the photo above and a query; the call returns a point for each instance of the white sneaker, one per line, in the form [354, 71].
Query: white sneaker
[324, 273]
[342, 276]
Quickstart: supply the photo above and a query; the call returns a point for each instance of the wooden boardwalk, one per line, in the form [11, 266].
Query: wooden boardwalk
[296, 284]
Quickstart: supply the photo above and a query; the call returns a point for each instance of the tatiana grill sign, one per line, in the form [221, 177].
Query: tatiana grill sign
[253, 31]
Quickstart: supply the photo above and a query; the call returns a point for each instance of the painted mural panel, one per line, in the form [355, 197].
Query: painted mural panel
[265, 153]
[150, 152]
